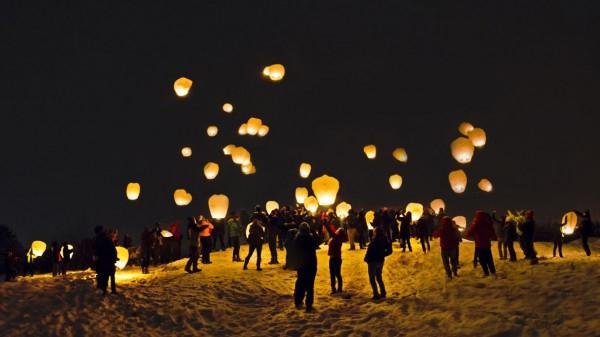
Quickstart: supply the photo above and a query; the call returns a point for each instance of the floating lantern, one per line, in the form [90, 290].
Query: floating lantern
[458, 181]
[305, 170]
[240, 156]
[166, 234]
[370, 151]
[395, 181]
[311, 204]
[186, 151]
[462, 150]
[325, 189]
[465, 127]
[271, 206]
[133, 191]
[211, 170]
[212, 131]
[461, 222]
[342, 210]
[248, 169]
[38, 248]
[227, 149]
[227, 107]
[182, 197]
[182, 86]
[437, 204]
[263, 130]
[70, 246]
[485, 185]
[400, 154]
[369, 217]
[253, 125]
[218, 205]
[275, 72]
[478, 137]
[570, 223]
[243, 130]
[416, 210]
[122, 256]
[301, 194]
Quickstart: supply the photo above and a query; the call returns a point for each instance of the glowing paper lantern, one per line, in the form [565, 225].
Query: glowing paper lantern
[227, 107]
[263, 130]
[275, 72]
[465, 127]
[461, 222]
[182, 86]
[211, 170]
[212, 131]
[70, 246]
[123, 256]
[38, 248]
[400, 154]
[370, 151]
[186, 151]
[485, 185]
[218, 205]
[248, 169]
[133, 191]
[166, 234]
[570, 220]
[182, 197]
[369, 217]
[458, 181]
[240, 156]
[437, 204]
[416, 211]
[478, 137]
[462, 150]
[342, 209]
[243, 130]
[271, 206]
[305, 170]
[325, 189]
[311, 204]
[253, 125]
[301, 194]
[395, 181]
[227, 149]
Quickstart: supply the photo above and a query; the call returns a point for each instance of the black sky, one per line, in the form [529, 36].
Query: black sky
[87, 104]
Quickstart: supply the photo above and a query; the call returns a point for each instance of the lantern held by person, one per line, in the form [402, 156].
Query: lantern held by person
[461, 222]
[133, 191]
[311, 204]
[437, 204]
[166, 234]
[342, 209]
[325, 189]
[271, 206]
[218, 205]
[569, 223]
[458, 181]
[301, 194]
[38, 248]
[71, 249]
[369, 217]
[122, 257]
[415, 209]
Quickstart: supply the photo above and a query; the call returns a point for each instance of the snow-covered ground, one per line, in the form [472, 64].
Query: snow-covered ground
[558, 297]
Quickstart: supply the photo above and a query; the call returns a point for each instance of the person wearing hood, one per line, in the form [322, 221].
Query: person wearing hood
[482, 230]
[193, 236]
[256, 238]
[449, 241]
[336, 238]
[528, 237]
[378, 249]
[305, 245]
[586, 229]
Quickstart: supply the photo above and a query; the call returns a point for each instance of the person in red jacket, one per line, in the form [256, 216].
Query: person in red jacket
[337, 237]
[449, 240]
[482, 229]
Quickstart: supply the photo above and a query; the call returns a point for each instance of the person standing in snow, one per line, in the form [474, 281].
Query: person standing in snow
[305, 245]
[528, 237]
[423, 226]
[193, 236]
[557, 237]
[482, 230]
[256, 238]
[205, 228]
[586, 229]
[449, 241]
[405, 220]
[65, 258]
[500, 231]
[273, 225]
[145, 250]
[234, 229]
[336, 238]
[378, 249]
[55, 256]
[290, 252]
[105, 257]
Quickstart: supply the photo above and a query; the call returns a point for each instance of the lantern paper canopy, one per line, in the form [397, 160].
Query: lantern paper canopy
[400, 155]
[395, 181]
[305, 170]
[133, 191]
[437, 204]
[416, 210]
[485, 185]
[182, 197]
[458, 181]
[301, 194]
[263, 130]
[253, 125]
[243, 130]
[218, 205]
[227, 149]
[38, 248]
[461, 222]
[271, 206]
[275, 72]
[465, 127]
[462, 150]
[211, 170]
[122, 256]
[342, 210]
[212, 131]
[369, 217]
[227, 107]
[166, 234]
[240, 156]
[182, 86]
[325, 189]
[70, 246]
[570, 223]
[478, 137]
[186, 151]
[311, 204]
[248, 169]
[370, 151]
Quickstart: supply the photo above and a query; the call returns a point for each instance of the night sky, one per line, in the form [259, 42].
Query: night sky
[87, 105]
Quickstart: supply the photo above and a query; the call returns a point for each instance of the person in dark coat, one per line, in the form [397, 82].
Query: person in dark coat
[193, 236]
[557, 238]
[10, 265]
[508, 234]
[55, 258]
[65, 252]
[145, 250]
[352, 228]
[234, 229]
[305, 244]
[157, 242]
[482, 230]
[405, 220]
[256, 238]
[362, 229]
[500, 231]
[290, 253]
[336, 238]
[449, 241]
[273, 227]
[218, 234]
[586, 229]
[378, 249]
[423, 226]
[105, 257]
[528, 237]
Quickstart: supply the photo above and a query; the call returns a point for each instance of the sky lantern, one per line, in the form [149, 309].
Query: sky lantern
[416, 210]
[218, 205]
[133, 191]
[461, 222]
[240, 156]
[122, 256]
[370, 151]
[271, 206]
[301, 193]
[71, 249]
[311, 204]
[570, 223]
[227, 149]
[437, 204]
[263, 130]
[248, 169]
[485, 185]
[182, 197]
[253, 125]
[478, 137]
[182, 86]
[342, 209]
[325, 189]
[395, 181]
[400, 154]
[458, 181]
[305, 170]
[369, 217]
[243, 130]
[211, 170]
[464, 128]
[38, 248]
[212, 131]
[227, 107]
[462, 150]
[186, 151]
[166, 234]
[274, 72]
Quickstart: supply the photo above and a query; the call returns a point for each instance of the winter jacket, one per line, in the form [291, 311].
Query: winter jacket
[423, 226]
[405, 226]
[206, 228]
[335, 243]
[234, 228]
[378, 249]
[256, 234]
[448, 234]
[482, 230]
[305, 246]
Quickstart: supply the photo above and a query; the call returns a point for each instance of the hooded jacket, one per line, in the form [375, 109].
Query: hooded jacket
[482, 230]
[448, 234]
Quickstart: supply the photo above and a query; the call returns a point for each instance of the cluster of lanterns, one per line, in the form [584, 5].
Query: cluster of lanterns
[253, 127]
[462, 150]
[399, 154]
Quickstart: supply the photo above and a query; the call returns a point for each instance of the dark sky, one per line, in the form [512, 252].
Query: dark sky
[87, 104]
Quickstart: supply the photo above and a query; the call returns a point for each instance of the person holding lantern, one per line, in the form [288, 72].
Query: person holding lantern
[337, 236]
[305, 246]
[586, 229]
[482, 230]
[378, 249]
[256, 238]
